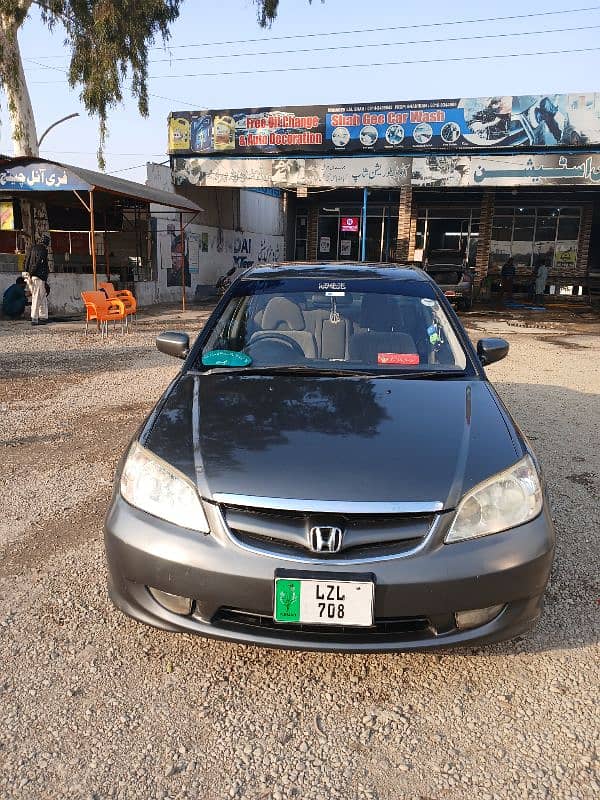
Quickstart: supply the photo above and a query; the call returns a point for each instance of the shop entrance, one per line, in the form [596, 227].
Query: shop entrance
[450, 233]
[340, 233]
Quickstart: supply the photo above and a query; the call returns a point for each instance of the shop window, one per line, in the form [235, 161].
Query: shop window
[300, 251]
[502, 229]
[524, 227]
[547, 219]
[568, 227]
[537, 234]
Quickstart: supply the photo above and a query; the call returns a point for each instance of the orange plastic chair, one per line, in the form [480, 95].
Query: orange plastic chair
[124, 295]
[102, 310]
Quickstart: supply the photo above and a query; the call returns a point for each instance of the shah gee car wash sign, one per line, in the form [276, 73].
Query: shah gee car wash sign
[571, 120]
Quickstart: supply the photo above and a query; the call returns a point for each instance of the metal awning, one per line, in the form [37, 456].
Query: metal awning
[38, 175]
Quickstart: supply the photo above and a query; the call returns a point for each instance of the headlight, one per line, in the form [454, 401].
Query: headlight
[504, 501]
[149, 483]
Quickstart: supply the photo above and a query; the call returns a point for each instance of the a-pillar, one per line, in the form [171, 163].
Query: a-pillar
[484, 242]
[405, 241]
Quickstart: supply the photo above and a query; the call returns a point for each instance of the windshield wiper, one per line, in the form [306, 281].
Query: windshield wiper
[328, 372]
[423, 374]
[291, 369]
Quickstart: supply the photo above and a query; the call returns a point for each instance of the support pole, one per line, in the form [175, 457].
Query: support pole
[106, 248]
[182, 261]
[93, 240]
[363, 244]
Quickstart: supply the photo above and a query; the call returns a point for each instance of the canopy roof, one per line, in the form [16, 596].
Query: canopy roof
[25, 175]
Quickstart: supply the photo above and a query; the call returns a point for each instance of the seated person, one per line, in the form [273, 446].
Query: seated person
[14, 299]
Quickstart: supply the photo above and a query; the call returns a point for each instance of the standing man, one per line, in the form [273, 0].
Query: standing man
[36, 264]
[540, 283]
[508, 275]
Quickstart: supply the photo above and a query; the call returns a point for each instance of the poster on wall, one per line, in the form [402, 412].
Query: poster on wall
[7, 217]
[551, 120]
[565, 254]
[178, 259]
[345, 247]
[325, 244]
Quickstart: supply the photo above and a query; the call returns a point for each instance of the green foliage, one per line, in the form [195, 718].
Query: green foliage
[267, 11]
[108, 41]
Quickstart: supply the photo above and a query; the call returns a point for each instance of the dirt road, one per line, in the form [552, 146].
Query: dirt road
[94, 705]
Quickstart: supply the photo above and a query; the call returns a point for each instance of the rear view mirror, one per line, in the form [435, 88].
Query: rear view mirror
[490, 350]
[173, 343]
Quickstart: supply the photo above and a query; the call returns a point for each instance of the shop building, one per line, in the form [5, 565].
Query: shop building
[482, 178]
[100, 228]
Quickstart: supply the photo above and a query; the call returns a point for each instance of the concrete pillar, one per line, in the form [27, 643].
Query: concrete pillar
[405, 242]
[486, 219]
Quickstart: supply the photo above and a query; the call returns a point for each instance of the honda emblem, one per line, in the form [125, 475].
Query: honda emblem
[325, 539]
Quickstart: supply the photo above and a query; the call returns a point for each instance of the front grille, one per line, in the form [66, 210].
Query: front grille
[283, 548]
[285, 533]
[385, 629]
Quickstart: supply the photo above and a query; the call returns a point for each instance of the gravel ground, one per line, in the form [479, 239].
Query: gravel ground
[94, 705]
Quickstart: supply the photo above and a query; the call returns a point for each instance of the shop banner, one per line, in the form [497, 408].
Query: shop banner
[292, 172]
[518, 169]
[558, 120]
[39, 177]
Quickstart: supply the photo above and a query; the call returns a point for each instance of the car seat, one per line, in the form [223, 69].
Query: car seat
[378, 331]
[286, 317]
[332, 338]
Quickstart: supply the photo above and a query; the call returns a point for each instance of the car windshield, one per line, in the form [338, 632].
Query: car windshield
[353, 325]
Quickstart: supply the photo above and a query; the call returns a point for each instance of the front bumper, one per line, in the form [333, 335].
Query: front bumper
[416, 594]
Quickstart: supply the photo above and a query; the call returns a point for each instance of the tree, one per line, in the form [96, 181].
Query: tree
[108, 41]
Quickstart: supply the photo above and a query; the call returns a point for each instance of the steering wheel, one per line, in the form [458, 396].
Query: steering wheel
[273, 346]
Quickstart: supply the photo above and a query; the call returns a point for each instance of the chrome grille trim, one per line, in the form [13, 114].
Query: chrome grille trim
[329, 506]
[298, 559]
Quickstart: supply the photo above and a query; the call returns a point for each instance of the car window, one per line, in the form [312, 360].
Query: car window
[373, 325]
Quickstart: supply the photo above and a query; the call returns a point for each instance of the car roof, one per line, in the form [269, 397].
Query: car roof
[335, 270]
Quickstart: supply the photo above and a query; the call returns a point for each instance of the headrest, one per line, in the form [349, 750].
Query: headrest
[376, 312]
[282, 314]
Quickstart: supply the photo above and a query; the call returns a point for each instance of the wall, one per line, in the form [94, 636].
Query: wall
[209, 250]
[65, 291]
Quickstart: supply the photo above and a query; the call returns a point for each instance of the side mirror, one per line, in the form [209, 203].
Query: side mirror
[490, 350]
[173, 343]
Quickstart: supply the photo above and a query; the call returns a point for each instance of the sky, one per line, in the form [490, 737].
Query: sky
[198, 46]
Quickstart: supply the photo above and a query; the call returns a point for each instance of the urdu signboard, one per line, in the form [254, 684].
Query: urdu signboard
[450, 170]
[545, 121]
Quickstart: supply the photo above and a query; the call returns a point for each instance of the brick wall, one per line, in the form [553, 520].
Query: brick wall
[581, 269]
[405, 245]
[485, 237]
[312, 232]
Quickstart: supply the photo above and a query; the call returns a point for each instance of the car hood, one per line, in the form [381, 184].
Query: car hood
[317, 438]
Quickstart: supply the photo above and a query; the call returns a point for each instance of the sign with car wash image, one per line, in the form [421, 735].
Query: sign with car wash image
[506, 121]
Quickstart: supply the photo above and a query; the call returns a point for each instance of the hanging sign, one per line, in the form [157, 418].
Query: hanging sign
[349, 224]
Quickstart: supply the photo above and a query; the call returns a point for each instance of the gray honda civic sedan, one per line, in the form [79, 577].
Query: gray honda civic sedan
[331, 470]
